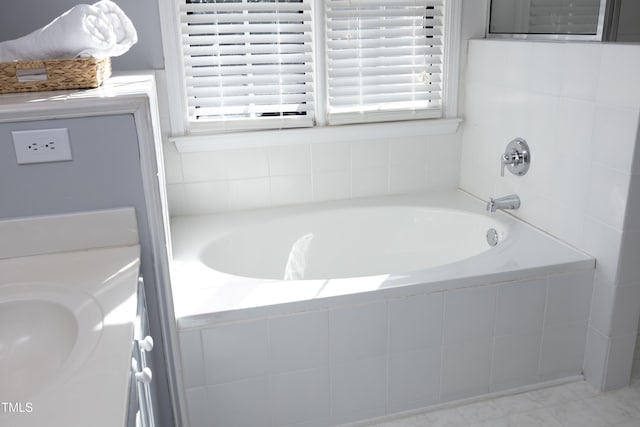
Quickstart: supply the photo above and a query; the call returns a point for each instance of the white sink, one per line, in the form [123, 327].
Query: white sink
[46, 332]
[67, 312]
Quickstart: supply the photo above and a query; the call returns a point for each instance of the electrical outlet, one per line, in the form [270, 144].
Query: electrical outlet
[41, 146]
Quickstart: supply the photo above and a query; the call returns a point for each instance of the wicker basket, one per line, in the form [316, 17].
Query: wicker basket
[53, 74]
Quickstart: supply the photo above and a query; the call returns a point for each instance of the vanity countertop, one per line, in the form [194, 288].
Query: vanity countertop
[67, 320]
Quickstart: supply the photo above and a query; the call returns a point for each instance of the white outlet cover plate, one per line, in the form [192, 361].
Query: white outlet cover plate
[41, 146]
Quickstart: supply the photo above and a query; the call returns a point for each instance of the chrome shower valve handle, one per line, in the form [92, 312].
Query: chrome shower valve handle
[509, 159]
[517, 157]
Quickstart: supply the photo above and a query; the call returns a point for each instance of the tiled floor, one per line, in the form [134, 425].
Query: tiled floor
[576, 404]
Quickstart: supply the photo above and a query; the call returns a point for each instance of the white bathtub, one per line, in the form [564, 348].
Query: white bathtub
[295, 254]
[336, 243]
[379, 305]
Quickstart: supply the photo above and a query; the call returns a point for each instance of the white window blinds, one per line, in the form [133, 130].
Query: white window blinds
[384, 59]
[248, 63]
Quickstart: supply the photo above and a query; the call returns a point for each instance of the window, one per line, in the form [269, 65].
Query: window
[265, 64]
[248, 61]
[383, 59]
[564, 17]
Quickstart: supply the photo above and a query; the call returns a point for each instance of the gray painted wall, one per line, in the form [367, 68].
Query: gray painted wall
[19, 18]
[104, 173]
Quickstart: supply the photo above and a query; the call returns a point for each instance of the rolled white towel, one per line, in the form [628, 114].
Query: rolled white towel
[126, 35]
[83, 30]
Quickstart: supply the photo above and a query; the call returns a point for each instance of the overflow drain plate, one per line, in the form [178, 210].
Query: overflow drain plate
[492, 237]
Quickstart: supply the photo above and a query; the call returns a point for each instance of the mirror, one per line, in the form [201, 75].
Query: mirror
[563, 19]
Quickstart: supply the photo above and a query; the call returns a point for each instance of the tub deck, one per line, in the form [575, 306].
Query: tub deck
[204, 296]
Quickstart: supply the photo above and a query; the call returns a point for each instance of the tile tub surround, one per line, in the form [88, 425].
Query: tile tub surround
[578, 107]
[238, 179]
[350, 363]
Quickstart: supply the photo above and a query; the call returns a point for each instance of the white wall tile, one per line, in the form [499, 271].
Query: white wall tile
[630, 254]
[567, 222]
[563, 348]
[192, 358]
[287, 190]
[595, 358]
[483, 101]
[626, 310]
[476, 165]
[547, 62]
[299, 342]
[466, 368]
[407, 178]
[514, 117]
[300, 396]
[249, 193]
[247, 163]
[520, 307]
[604, 243]
[444, 154]
[204, 166]
[289, 160]
[580, 71]
[619, 70]
[331, 156]
[619, 361]
[615, 132]
[469, 313]
[487, 60]
[370, 154]
[543, 142]
[608, 191]
[206, 197]
[414, 379]
[515, 361]
[370, 181]
[574, 136]
[241, 403]
[408, 150]
[602, 303]
[415, 322]
[518, 68]
[358, 390]
[236, 351]
[561, 116]
[632, 220]
[172, 163]
[176, 200]
[358, 332]
[331, 185]
[569, 297]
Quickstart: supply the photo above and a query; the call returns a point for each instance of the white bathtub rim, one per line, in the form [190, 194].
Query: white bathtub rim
[205, 319]
[188, 297]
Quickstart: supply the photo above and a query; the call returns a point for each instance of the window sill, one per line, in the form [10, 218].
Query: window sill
[346, 133]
